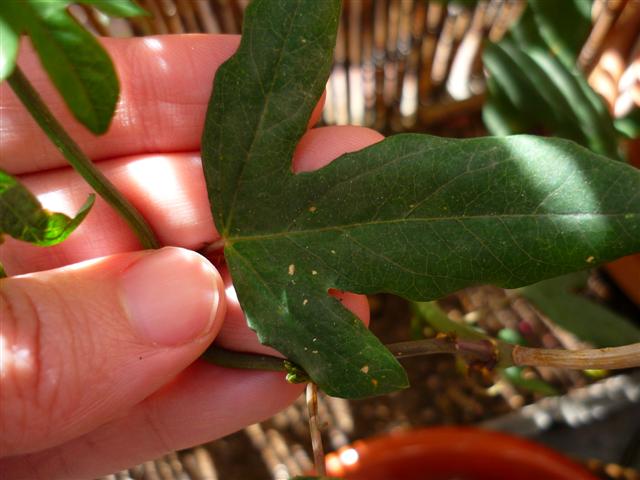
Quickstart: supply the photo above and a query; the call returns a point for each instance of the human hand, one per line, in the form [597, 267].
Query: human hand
[99, 340]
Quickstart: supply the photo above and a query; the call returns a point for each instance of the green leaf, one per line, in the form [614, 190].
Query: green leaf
[591, 322]
[23, 218]
[9, 43]
[545, 92]
[414, 215]
[117, 8]
[536, 385]
[499, 115]
[629, 125]
[433, 315]
[77, 64]
[564, 25]
[3, 274]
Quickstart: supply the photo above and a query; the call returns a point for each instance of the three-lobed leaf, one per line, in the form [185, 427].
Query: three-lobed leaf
[23, 218]
[414, 215]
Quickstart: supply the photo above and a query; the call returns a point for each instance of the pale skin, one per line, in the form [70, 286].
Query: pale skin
[86, 390]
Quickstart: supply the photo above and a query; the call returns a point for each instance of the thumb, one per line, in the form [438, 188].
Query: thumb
[81, 344]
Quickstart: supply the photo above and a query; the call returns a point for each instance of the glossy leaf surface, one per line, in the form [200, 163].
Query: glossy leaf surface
[414, 215]
[23, 218]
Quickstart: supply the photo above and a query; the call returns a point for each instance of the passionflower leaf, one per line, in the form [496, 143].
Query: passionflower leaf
[23, 218]
[414, 215]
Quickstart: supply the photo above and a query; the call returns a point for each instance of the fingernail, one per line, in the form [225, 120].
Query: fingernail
[171, 296]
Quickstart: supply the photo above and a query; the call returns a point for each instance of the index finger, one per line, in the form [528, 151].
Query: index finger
[165, 83]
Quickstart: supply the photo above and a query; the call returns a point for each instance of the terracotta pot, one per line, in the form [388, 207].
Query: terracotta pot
[448, 453]
[626, 271]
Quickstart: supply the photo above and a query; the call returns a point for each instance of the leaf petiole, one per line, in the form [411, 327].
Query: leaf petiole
[78, 160]
[479, 352]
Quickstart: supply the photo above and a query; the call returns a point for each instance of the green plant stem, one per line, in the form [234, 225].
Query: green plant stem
[78, 160]
[481, 352]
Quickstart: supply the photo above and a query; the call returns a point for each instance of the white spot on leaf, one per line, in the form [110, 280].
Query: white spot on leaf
[292, 269]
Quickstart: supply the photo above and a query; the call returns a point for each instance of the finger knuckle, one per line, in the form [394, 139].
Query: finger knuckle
[33, 371]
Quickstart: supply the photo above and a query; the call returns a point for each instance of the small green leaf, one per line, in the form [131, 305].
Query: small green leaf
[515, 377]
[23, 218]
[117, 8]
[77, 64]
[414, 215]
[432, 314]
[511, 336]
[3, 274]
[9, 43]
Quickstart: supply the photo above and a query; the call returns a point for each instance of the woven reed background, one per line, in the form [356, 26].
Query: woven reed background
[400, 65]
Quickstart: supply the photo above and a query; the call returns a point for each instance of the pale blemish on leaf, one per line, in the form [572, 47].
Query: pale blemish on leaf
[292, 269]
[365, 369]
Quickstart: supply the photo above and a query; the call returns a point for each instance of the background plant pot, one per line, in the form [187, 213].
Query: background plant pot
[451, 453]
[626, 271]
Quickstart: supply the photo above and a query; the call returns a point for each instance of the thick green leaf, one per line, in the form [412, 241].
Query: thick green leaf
[77, 64]
[629, 125]
[22, 216]
[9, 43]
[545, 92]
[591, 322]
[414, 215]
[116, 8]
[564, 25]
